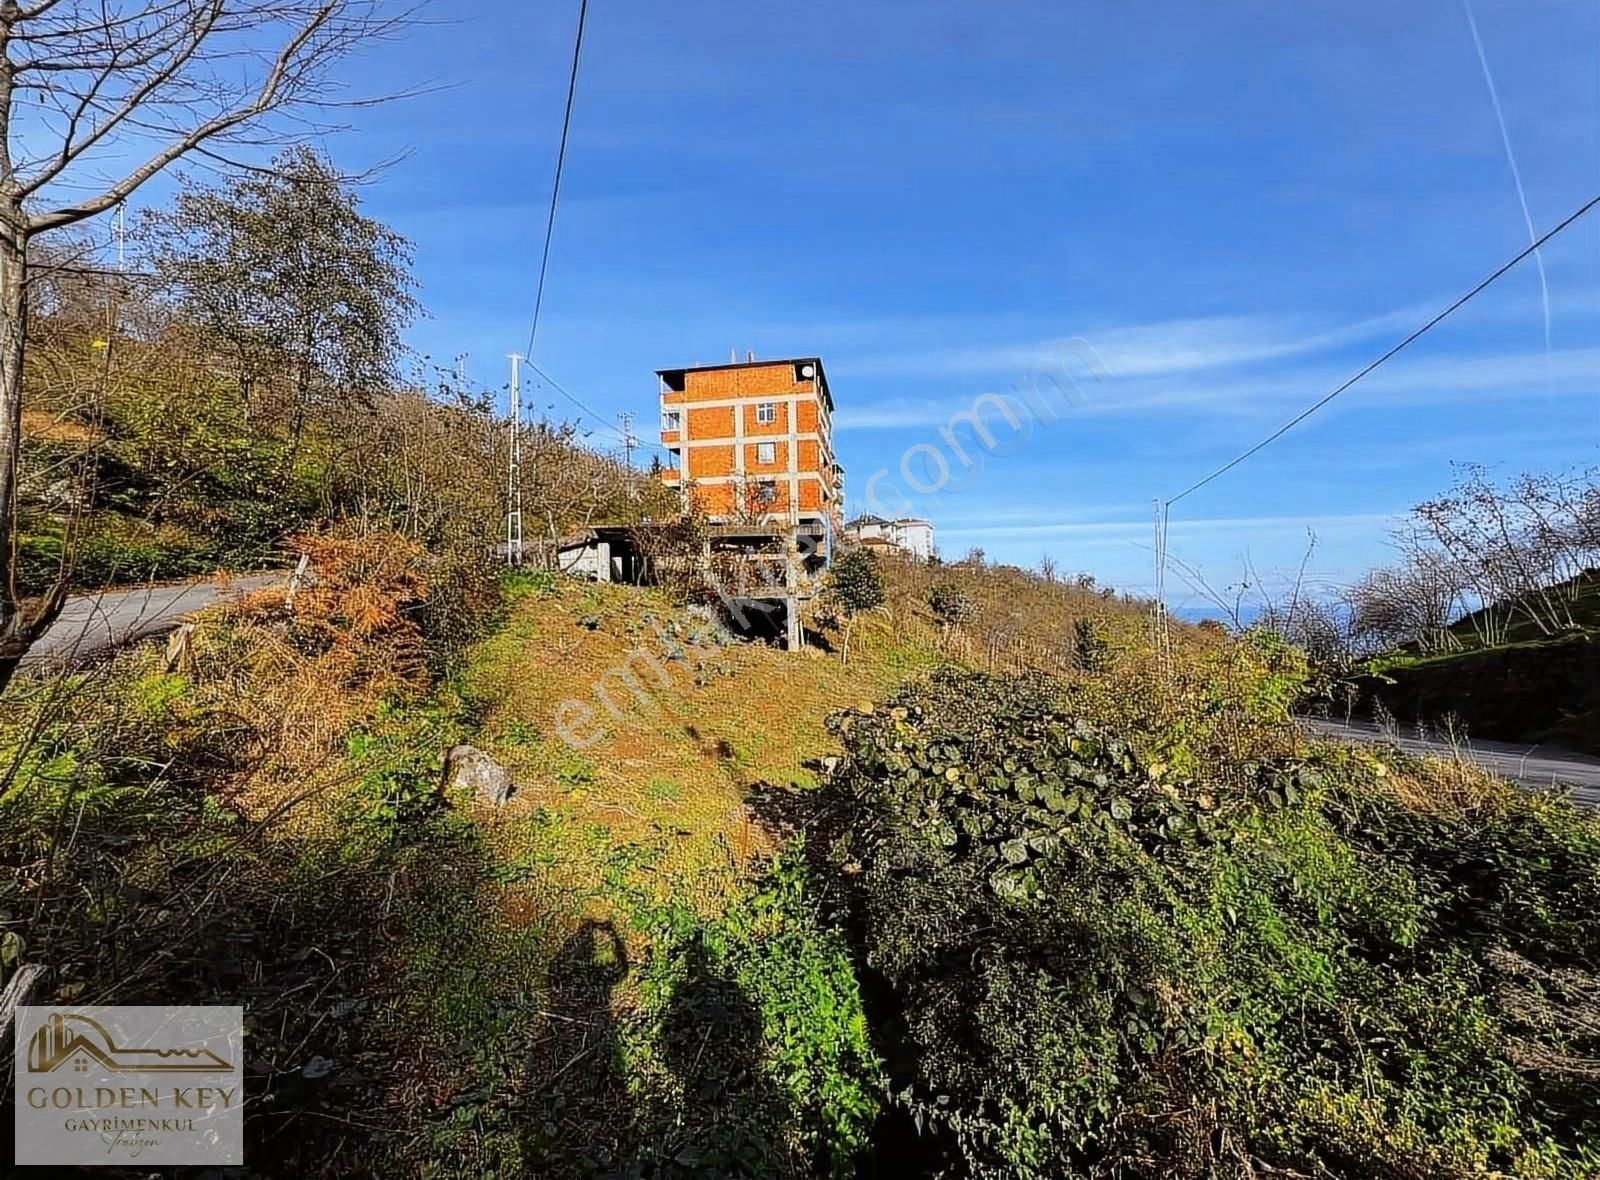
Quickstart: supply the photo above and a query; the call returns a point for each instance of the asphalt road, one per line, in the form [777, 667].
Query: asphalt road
[1533, 766]
[93, 622]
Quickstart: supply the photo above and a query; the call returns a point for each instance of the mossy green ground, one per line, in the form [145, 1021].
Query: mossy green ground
[665, 777]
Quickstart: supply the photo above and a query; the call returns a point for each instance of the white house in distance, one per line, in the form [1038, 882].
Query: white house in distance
[909, 534]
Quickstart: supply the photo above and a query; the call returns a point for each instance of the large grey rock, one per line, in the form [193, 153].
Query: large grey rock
[471, 768]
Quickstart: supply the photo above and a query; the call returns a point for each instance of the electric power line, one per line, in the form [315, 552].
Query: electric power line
[1532, 248]
[594, 416]
[555, 187]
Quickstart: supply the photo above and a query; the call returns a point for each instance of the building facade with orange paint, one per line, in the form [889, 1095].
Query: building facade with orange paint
[753, 440]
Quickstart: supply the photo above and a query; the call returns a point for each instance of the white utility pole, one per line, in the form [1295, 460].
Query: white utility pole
[121, 231]
[625, 420]
[1159, 612]
[514, 467]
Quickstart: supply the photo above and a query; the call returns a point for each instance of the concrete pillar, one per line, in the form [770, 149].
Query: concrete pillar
[794, 636]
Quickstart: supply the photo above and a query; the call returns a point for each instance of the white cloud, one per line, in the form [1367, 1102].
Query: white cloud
[1421, 381]
[1143, 350]
[1125, 530]
[1412, 382]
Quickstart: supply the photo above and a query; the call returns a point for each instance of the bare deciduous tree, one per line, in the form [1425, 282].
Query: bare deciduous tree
[1486, 556]
[88, 85]
[1413, 602]
[1514, 545]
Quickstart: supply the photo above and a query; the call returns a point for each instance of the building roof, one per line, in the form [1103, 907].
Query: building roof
[822, 374]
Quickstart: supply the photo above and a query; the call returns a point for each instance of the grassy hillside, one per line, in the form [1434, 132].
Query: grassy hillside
[143, 458]
[1229, 953]
[1532, 686]
[1578, 599]
[288, 766]
[1539, 691]
[144, 469]
[704, 722]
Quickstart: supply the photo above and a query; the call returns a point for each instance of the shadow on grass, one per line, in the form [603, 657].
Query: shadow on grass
[406, 1013]
[722, 1116]
[577, 1117]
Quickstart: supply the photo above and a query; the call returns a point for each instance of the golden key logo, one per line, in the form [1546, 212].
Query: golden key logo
[147, 1086]
[84, 1041]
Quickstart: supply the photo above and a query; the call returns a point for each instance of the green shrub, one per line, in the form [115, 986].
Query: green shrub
[1099, 968]
[951, 605]
[753, 1024]
[855, 586]
[1089, 647]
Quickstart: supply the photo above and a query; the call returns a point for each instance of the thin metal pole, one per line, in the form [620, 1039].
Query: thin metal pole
[1159, 613]
[514, 467]
[625, 420]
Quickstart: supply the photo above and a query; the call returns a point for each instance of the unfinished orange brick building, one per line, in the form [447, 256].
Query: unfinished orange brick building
[753, 440]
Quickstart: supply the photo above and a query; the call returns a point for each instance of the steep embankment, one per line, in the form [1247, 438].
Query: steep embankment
[1545, 692]
[1129, 910]
[1529, 686]
[631, 720]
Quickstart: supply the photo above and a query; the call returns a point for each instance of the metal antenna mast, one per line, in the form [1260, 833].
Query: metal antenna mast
[514, 467]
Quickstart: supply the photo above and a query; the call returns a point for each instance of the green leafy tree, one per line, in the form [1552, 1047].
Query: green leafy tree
[96, 100]
[300, 287]
[1089, 647]
[857, 586]
[951, 605]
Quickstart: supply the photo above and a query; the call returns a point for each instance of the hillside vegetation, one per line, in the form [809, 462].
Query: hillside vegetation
[203, 411]
[1121, 920]
[1502, 674]
[1529, 686]
[1485, 626]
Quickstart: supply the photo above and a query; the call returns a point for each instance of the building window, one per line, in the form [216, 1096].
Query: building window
[672, 420]
[766, 413]
[766, 452]
[766, 492]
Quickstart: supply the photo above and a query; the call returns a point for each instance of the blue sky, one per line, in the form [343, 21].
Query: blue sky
[1236, 204]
